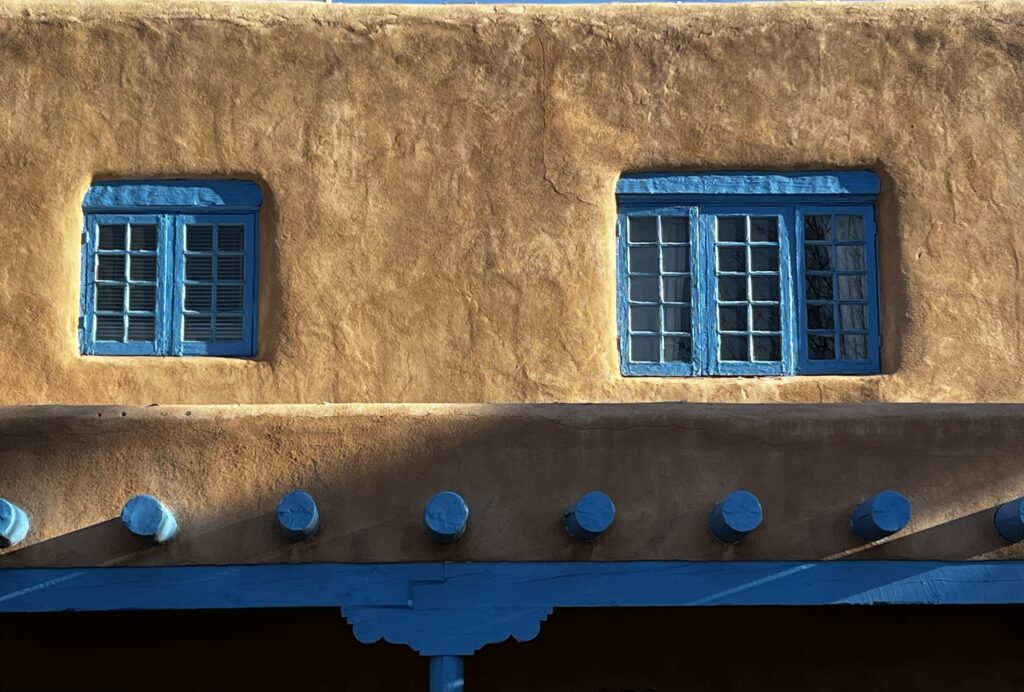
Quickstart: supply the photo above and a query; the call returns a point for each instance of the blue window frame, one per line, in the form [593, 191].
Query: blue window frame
[169, 268]
[748, 274]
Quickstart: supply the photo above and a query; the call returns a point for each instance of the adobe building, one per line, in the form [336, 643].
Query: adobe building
[551, 348]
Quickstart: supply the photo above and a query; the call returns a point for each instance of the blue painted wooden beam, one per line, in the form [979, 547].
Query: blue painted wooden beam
[146, 516]
[445, 517]
[751, 183]
[590, 516]
[298, 515]
[735, 516]
[880, 516]
[584, 583]
[1009, 520]
[446, 674]
[14, 524]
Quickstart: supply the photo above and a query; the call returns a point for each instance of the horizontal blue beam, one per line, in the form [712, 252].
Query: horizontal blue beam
[431, 586]
[750, 183]
[113, 195]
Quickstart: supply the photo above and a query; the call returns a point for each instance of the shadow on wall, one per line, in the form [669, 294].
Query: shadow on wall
[371, 469]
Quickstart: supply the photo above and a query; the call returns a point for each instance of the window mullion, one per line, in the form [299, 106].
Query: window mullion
[791, 301]
[706, 297]
[172, 285]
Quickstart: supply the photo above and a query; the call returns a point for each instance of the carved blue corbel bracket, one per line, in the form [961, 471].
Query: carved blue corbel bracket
[445, 631]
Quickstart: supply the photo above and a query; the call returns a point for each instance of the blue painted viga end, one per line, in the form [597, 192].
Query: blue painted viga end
[1009, 520]
[445, 517]
[14, 524]
[146, 516]
[880, 516]
[590, 516]
[298, 515]
[735, 516]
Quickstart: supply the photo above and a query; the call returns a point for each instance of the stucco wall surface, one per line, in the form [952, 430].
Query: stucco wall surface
[439, 183]
[373, 467]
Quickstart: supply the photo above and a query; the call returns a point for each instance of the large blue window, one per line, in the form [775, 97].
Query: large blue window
[748, 274]
[169, 268]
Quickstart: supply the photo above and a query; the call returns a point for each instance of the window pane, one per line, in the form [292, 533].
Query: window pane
[143, 268]
[643, 259]
[768, 348]
[229, 328]
[764, 259]
[643, 288]
[643, 318]
[821, 347]
[230, 238]
[732, 229]
[199, 238]
[141, 328]
[732, 318]
[849, 227]
[855, 346]
[676, 259]
[764, 229]
[198, 298]
[229, 268]
[644, 349]
[766, 318]
[850, 257]
[144, 238]
[677, 319]
[734, 348]
[110, 267]
[197, 328]
[818, 257]
[142, 298]
[764, 287]
[819, 287]
[229, 298]
[110, 297]
[820, 317]
[732, 288]
[732, 259]
[678, 348]
[109, 328]
[112, 237]
[853, 316]
[675, 229]
[852, 287]
[677, 289]
[643, 229]
[199, 268]
[817, 227]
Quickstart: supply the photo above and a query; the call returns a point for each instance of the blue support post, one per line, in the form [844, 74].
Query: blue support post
[445, 517]
[446, 674]
[298, 515]
[590, 516]
[14, 524]
[735, 516]
[880, 516]
[146, 516]
[1009, 520]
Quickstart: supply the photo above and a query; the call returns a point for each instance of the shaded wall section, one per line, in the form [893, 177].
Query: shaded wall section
[372, 468]
[834, 649]
[439, 223]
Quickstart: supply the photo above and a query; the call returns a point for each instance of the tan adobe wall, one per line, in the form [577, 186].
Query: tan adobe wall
[222, 470]
[439, 184]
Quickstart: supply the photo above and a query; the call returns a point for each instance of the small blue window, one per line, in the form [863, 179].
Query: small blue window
[169, 268]
[748, 274]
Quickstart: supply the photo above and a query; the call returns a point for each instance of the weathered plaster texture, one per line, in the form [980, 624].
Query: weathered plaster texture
[372, 468]
[439, 183]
